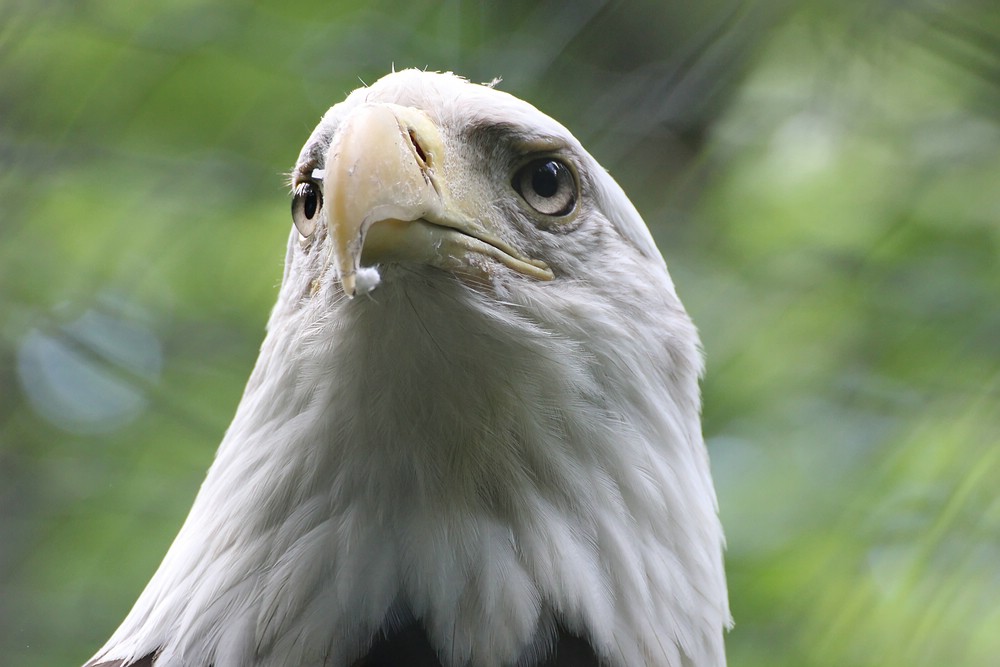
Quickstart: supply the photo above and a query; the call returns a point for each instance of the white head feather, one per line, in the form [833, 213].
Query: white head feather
[493, 460]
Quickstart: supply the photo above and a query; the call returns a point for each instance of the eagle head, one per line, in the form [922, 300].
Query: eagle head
[472, 436]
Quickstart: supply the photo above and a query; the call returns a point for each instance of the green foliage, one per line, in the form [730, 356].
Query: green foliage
[825, 185]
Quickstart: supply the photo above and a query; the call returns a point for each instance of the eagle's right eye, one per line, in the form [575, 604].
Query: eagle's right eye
[306, 204]
[548, 185]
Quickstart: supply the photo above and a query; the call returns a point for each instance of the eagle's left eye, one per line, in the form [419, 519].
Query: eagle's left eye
[548, 186]
[306, 204]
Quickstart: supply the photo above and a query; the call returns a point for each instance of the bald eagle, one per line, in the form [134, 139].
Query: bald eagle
[472, 436]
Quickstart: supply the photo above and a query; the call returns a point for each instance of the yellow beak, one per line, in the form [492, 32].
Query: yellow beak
[387, 199]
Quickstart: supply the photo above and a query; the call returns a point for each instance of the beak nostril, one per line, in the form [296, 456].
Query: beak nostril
[418, 149]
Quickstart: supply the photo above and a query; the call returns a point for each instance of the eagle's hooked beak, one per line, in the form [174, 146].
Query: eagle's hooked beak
[387, 197]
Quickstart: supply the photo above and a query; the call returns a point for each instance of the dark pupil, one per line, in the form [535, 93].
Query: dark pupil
[311, 203]
[545, 180]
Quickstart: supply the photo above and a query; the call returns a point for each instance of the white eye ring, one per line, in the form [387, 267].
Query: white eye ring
[307, 202]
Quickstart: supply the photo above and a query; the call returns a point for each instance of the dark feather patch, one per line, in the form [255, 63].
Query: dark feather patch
[410, 648]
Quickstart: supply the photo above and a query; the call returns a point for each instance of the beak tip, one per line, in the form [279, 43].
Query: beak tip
[360, 281]
[349, 285]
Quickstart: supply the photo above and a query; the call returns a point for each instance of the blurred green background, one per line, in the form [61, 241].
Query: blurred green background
[823, 180]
